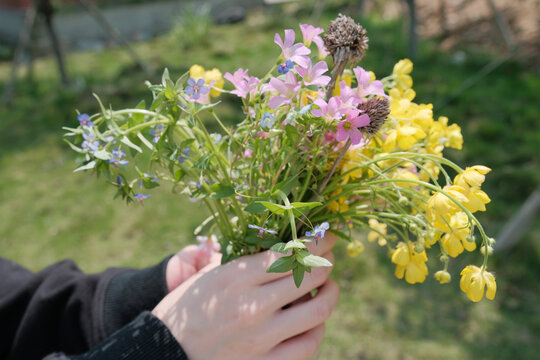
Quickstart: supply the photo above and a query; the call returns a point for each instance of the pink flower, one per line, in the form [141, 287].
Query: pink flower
[349, 97]
[314, 75]
[309, 32]
[287, 90]
[329, 111]
[365, 87]
[290, 50]
[320, 46]
[348, 128]
[243, 83]
[248, 153]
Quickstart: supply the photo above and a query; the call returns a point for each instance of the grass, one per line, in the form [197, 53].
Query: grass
[48, 213]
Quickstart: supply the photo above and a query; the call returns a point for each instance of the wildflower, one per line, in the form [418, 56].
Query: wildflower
[410, 264]
[267, 120]
[141, 197]
[313, 75]
[456, 237]
[90, 144]
[378, 110]
[287, 90]
[196, 88]
[377, 233]
[216, 137]
[284, 68]
[84, 120]
[212, 78]
[344, 33]
[348, 128]
[405, 136]
[318, 232]
[208, 244]
[184, 155]
[401, 71]
[309, 32]
[261, 230]
[355, 248]
[117, 155]
[243, 83]
[157, 132]
[474, 282]
[119, 180]
[292, 51]
[329, 111]
[472, 176]
[323, 53]
[443, 276]
[365, 85]
[152, 177]
[248, 153]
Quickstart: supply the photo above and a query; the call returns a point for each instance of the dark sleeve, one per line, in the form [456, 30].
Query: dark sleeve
[62, 309]
[145, 338]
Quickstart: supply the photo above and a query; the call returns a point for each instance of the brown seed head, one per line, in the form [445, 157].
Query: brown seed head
[378, 109]
[344, 33]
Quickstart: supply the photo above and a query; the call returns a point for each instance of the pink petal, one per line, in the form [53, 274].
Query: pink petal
[362, 120]
[277, 101]
[356, 136]
[301, 60]
[320, 68]
[322, 80]
[362, 77]
[289, 38]
[317, 113]
[277, 40]
[278, 85]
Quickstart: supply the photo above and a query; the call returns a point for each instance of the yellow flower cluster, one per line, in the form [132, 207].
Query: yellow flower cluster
[410, 263]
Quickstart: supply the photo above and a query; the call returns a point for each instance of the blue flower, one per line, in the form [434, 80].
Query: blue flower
[156, 133]
[118, 154]
[285, 67]
[141, 197]
[152, 177]
[90, 144]
[216, 137]
[184, 155]
[318, 232]
[305, 109]
[119, 180]
[84, 120]
[261, 230]
[195, 88]
[267, 120]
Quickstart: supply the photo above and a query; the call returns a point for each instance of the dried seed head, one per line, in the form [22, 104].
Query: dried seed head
[378, 109]
[344, 33]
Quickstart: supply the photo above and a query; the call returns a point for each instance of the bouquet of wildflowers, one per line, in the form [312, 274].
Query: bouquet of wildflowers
[314, 150]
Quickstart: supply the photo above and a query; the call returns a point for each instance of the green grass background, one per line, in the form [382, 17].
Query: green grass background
[48, 213]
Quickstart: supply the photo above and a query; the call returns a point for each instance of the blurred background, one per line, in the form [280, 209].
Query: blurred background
[475, 60]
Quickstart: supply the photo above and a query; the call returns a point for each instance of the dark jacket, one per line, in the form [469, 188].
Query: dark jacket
[100, 316]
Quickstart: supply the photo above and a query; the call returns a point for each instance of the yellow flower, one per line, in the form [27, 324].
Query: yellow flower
[351, 160]
[440, 207]
[378, 233]
[212, 78]
[405, 173]
[474, 282]
[477, 199]
[455, 240]
[472, 176]
[402, 70]
[340, 205]
[308, 96]
[405, 136]
[348, 81]
[432, 169]
[355, 248]
[443, 276]
[452, 133]
[410, 264]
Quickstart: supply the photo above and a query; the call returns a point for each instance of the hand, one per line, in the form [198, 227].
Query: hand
[187, 262]
[238, 310]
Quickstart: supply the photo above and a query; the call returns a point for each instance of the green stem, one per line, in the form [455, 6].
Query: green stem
[285, 199]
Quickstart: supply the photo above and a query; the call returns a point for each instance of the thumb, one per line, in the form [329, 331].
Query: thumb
[182, 266]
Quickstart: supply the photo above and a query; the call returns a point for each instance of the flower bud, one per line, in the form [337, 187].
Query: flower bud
[418, 248]
[413, 228]
[403, 201]
[471, 238]
[443, 276]
[491, 241]
[483, 250]
[444, 258]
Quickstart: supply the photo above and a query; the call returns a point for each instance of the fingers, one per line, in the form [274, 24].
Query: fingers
[324, 245]
[299, 347]
[283, 291]
[181, 266]
[304, 316]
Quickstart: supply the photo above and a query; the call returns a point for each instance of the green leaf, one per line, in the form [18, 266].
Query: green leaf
[128, 142]
[179, 174]
[285, 186]
[181, 80]
[145, 141]
[252, 239]
[292, 133]
[165, 77]
[295, 244]
[103, 111]
[149, 184]
[200, 108]
[255, 208]
[340, 234]
[102, 155]
[275, 208]
[313, 261]
[298, 275]
[282, 265]
[90, 165]
[305, 205]
[222, 191]
[73, 147]
[280, 248]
